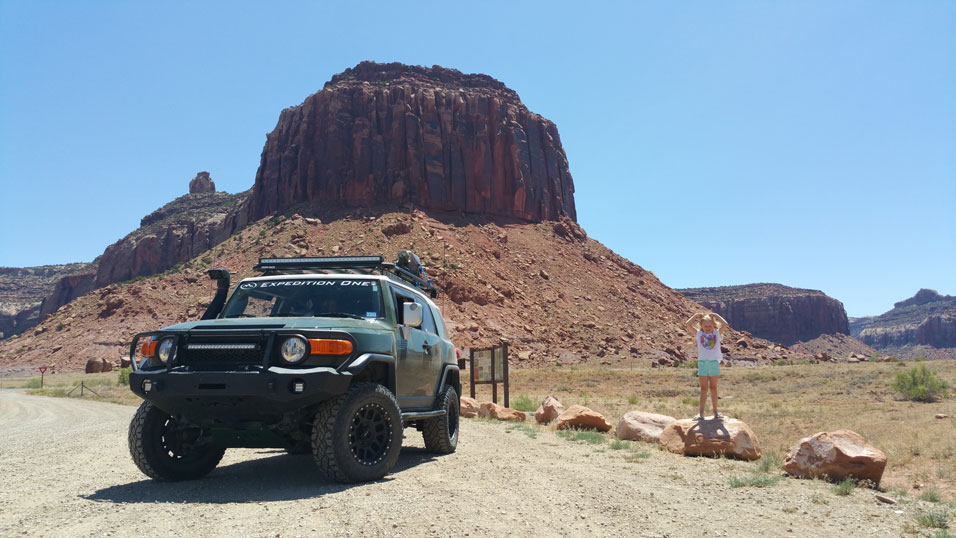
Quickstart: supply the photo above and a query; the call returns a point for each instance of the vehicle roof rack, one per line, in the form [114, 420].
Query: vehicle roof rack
[343, 264]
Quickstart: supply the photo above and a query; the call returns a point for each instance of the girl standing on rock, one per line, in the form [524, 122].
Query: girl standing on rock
[707, 330]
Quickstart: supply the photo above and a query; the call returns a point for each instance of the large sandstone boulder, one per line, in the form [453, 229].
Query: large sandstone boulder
[836, 455]
[641, 426]
[94, 366]
[107, 366]
[467, 407]
[500, 412]
[549, 410]
[578, 416]
[712, 437]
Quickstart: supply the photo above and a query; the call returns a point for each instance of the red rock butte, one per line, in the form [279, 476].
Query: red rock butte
[386, 134]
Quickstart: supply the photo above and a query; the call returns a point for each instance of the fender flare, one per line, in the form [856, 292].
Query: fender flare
[450, 375]
[363, 361]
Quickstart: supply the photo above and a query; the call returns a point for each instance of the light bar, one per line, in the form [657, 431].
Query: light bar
[220, 347]
[326, 260]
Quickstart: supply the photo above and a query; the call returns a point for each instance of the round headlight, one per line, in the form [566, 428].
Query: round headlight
[165, 349]
[294, 349]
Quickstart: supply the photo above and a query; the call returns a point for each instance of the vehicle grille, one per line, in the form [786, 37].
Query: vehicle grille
[222, 353]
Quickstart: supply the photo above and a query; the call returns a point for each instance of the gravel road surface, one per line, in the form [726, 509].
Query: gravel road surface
[65, 471]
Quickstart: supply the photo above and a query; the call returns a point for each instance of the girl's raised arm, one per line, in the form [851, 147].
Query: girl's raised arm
[689, 324]
[723, 322]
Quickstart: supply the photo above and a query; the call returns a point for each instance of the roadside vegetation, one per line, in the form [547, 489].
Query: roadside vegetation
[104, 387]
[782, 404]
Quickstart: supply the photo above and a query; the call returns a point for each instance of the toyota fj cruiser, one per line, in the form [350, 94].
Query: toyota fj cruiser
[331, 356]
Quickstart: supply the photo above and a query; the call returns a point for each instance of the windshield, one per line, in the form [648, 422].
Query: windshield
[336, 298]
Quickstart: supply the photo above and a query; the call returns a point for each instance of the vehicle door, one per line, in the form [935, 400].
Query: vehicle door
[413, 390]
[432, 348]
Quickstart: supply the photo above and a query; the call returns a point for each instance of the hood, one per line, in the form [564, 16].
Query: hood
[343, 324]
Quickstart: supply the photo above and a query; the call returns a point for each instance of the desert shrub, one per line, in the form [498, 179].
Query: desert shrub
[931, 495]
[754, 481]
[769, 462]
[589, 437]
[524, 403]
[123, 378]
[618, 444]
[845, 488]
[920, 384]
[632, 400]
[32, 384]
[934, 519]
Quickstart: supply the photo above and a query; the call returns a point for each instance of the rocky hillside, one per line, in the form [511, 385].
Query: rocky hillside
[387, 158]
[435, 137]
[926, 320]
[775, 312]
[556, 294]
[23, 290]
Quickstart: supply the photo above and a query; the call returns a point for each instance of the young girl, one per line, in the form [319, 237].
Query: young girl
[707, 330]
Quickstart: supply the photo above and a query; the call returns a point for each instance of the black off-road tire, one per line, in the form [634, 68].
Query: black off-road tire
[441, 433]
[300, 448]
[154, 448]
[357, 437]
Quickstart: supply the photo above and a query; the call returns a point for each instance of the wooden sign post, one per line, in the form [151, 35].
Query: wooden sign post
[489, 366]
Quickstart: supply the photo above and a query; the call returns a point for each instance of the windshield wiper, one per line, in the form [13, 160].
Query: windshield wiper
[337, 315]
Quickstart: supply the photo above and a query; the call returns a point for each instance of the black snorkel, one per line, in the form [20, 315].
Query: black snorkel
[221, 276]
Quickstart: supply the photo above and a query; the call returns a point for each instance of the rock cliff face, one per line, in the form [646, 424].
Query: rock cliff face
[176, 232]
[778, 313]
[926, 319]
[22, 293]
[385, 134]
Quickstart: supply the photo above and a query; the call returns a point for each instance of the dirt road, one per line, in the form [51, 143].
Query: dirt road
[65, 471]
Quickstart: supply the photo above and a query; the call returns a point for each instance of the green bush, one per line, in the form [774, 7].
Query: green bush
[920, 384]
[845, 488]
[524, 403]
[754, 481]
[935, 519]
[124, 376]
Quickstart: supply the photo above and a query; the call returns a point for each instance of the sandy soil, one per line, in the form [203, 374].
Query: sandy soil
[65, 471]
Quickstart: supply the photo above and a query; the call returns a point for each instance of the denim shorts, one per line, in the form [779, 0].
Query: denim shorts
[708, 368]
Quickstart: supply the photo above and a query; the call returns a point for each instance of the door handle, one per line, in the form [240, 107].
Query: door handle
[427, 349]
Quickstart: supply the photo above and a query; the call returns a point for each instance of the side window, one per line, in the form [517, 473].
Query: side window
[428, 321]
[439, 322]
[399, 299]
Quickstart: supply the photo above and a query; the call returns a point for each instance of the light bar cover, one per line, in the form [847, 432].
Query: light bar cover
[326, 260]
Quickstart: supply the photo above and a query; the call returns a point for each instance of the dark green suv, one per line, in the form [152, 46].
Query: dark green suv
[328, 356]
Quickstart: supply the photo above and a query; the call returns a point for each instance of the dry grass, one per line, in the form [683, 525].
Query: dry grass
[782, 404]
[58, 385]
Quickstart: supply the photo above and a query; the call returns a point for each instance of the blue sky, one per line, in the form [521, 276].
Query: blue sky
[807, 143]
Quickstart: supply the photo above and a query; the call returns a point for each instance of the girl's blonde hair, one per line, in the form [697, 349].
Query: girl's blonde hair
[709, 318]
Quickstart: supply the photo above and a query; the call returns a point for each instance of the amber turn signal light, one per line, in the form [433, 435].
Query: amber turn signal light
[330, 347]
[148, 349]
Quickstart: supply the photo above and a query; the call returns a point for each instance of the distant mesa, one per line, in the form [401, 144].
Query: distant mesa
[925, 320]
[390, 134]
[202, 183]
[775, 312]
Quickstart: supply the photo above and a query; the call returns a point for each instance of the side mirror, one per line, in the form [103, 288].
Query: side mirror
[412, 314]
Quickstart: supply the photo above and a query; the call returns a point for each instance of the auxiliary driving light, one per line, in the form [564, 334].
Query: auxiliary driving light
[298, 386]
[147, 385]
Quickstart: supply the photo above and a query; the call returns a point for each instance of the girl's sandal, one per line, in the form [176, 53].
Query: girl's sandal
[698, 418]
[718, 415]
